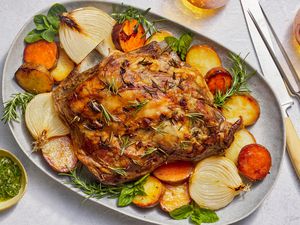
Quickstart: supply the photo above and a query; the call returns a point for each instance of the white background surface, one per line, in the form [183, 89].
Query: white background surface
[49, 203]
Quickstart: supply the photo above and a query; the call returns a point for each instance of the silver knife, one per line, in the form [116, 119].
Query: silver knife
[272, 75]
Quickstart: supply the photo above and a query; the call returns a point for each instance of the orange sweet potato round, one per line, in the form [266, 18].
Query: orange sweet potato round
[42, 53]
[175, 172]
[218, 79]
[129, 35]
[254, 162]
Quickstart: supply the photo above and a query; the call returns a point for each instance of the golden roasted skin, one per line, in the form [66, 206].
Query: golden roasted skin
[138, 110]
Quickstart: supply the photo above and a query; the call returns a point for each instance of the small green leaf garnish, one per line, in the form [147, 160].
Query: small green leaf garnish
[108, 117]
[17, 101]
[118, 170]
[112, 86]
[132, 13]
[194, 117]
[46, 26]
[160, 128]
[125, 193]
[180, 45]
[240, 77]
[137, 105]
[150, 150]
[125, 143]
[197, 215]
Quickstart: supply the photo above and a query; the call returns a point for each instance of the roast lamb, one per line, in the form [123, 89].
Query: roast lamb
[136, 111]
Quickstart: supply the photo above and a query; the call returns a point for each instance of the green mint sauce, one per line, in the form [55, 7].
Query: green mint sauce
[10, 178]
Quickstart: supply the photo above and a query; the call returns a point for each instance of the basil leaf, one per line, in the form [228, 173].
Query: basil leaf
[206, 215]
[33, 36]
[54, 21]
[126, 197]
[49, 34]
[39, 22]
[56, 10]
[183, 44]
[196, 219]
[182, 213]
[172, 43]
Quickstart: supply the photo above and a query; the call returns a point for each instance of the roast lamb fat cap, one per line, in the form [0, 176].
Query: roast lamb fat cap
[136, 111]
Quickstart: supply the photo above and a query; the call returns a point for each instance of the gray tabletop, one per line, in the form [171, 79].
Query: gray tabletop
[47, 202]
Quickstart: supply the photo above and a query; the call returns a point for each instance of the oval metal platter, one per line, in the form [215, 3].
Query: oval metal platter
[268, 131]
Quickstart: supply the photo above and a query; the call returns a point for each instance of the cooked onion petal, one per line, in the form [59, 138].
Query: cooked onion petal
[296, 27]
[215, 182]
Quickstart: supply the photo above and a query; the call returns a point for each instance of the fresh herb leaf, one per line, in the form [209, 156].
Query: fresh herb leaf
[118, 170]
[240, 77]
[137, 105]
[125, 193]
[182, 213]
[108, 117]
[150, 150]
[39, 21]
[160, 128]
[132, 13]
[33, 36]
[180, 45]
[46, 26]
[17, 101]
[197, 215]
[112, 86]
[194, 117]
[125, 143]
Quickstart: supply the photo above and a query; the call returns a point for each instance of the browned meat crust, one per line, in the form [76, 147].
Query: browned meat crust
[138, 110]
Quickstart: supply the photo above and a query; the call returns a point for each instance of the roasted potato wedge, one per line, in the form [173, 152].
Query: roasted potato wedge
[59, 154]
[244, 106]
[34, 78]
[41, 52]
[126, 37]
[242, 138]
[159, 36]
[175, 197]
[154, 190]
[63, 67]
[175, 172]
[254, 162]
[203, 58]
[218, 79]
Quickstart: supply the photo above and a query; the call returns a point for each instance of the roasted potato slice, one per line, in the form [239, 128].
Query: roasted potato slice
[63, 67]
[244, 106]
[203, 58]
[34, 78]
[242, 138]
[175, 197]
[154, 190]
[159, 36]
[59, 154]
[254, 162]
[175, 172]
[41, 52]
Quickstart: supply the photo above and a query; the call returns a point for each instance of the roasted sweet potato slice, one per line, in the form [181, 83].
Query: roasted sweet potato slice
[159, 36]
[34, 78]
[242, 138]
[203, 58]
[154, 190]
[58, 152]
[63, 67]
[218, 79]
[41, 52]
[129, 35]
[244, 106]
[175, 197]
[254, 162]
[175, 172]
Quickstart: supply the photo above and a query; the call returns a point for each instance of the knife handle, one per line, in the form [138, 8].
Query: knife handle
[293, 144]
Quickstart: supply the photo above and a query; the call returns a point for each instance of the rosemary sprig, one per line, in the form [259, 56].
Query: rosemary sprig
[150, 150]
[137, 105]
[17, 101]
[125, 193]
[125, 143]
[118, 170]
[112, 86]
[108, 117]
[194, 117]
[240, 76]
[160, 128]
[132, 13]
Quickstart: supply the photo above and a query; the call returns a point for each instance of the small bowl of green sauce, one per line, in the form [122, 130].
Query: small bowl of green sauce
[13, 179]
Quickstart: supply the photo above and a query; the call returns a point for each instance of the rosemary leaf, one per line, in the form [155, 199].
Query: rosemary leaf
[17, 101]
[125, 143]
[240, 77]
[118, 170]
[137, 105]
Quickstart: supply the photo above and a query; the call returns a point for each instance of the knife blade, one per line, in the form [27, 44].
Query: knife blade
[271, 73]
